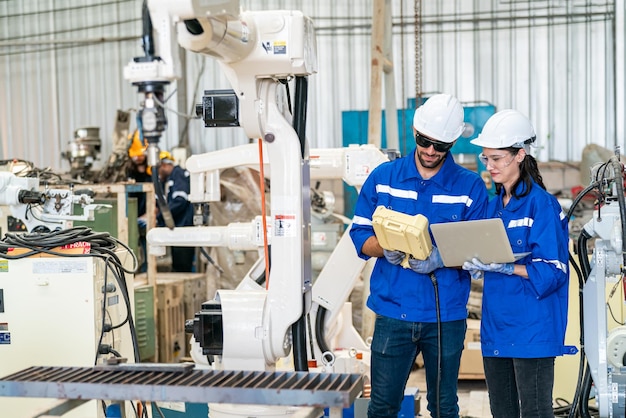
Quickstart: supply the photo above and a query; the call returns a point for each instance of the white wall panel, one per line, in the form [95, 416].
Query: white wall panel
[554, 60]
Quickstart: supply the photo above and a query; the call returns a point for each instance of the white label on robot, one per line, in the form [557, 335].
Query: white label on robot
[280, 48]
[285, 225]
[258, 232]
[275, 47]
[60, 266]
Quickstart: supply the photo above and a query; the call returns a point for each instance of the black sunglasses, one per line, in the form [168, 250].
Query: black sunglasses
[425, 142]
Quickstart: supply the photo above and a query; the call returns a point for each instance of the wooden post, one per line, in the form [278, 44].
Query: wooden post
[378, 36]
[382, 62]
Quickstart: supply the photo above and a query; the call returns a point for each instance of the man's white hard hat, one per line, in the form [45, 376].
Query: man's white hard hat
[440, 118]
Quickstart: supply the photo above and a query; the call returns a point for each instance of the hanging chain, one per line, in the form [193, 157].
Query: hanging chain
[418, 51]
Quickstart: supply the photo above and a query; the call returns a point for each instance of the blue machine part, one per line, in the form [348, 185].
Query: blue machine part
[354, 131]
[191, 410]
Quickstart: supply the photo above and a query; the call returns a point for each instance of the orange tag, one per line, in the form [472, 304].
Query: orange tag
[80, 247]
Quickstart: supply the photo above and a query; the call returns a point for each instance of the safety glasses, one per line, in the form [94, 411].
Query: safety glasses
[498, 161]
[425, 142]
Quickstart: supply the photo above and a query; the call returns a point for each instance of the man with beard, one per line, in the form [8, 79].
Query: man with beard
[421, 308]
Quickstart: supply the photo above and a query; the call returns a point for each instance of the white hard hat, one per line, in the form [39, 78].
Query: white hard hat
[506, 128]
[440, 118]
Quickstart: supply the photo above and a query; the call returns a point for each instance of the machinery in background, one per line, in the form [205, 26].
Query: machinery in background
[47, 210]
[340, 266]
[259, 51]
[603, 345]
[83, 151]
[265, 55]
[262, 53]
[53, 312]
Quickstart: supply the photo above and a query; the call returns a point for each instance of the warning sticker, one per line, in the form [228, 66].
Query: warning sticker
[60, 266]
[280, 47]
[285, 225]
[4, 266]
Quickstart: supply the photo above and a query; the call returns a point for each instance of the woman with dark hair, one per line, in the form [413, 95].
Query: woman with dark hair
[524, 311]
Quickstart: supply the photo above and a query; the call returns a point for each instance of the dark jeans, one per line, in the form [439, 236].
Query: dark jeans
[394, 348]
[520, 387]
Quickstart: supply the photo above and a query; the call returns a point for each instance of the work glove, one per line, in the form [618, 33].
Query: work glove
[394, 257]
[432, 263]
[474, 272]
[476, 264]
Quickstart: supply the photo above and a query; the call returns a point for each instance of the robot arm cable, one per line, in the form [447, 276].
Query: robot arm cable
[147, 36]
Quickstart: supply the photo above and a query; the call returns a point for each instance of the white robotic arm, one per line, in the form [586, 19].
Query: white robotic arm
[257, 50]
[605, 344]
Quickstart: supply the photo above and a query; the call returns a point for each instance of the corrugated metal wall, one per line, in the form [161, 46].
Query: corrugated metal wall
[559, 61]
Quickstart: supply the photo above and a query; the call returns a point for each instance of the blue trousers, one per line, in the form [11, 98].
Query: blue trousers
[520, 387]
[395, 346]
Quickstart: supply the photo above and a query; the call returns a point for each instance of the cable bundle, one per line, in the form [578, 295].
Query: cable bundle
[103, 246]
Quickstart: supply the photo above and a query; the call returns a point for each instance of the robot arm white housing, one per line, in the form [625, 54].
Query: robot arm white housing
[259, 50]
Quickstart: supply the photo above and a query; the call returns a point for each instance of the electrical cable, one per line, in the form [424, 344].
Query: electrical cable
[310, 331]
[101, 245]
[433, 279]
[320, 318]
[582, 273]
[586, 391]
[580, 403]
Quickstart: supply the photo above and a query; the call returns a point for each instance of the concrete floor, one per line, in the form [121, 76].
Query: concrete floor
[473, 398]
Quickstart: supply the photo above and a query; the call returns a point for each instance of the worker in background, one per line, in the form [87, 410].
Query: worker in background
[176, 187]
[427, 182]
[137, 170]
[524, 309]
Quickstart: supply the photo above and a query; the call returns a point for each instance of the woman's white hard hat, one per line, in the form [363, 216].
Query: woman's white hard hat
[506, 128]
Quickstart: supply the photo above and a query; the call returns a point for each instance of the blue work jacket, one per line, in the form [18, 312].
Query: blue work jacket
[453, 194]
[527, 317]
[178, 187]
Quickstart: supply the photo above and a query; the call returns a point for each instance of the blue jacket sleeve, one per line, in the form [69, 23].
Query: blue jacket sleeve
[548, 269]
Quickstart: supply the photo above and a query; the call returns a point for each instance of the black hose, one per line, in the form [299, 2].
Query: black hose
[147, 36]
[299, 116]
[583, 255]
[584, 398]
[320, 337]
[582, 361]
[582, 278]
[433, 279]
[298, 331]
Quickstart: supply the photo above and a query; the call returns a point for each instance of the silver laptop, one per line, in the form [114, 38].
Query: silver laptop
[484, 239]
